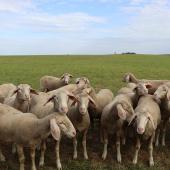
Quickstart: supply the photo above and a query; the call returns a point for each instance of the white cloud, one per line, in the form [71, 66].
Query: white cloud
[15, 5]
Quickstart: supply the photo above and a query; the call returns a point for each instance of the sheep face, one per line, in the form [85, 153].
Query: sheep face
[82, 82]
[83, 102]
[162, 92]
[65, 125]
[126, 78]
[61, 100]
[24, 92]
[142, 88]
[66, 77]
[141, 121]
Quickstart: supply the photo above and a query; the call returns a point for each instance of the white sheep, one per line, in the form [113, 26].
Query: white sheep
[147, 117]
[27, 130]
[79, 116]
[6, 90]
[42, 106]
[129, 77]
[117, 114]
[21, 97]
[48, 83]
[102, 98]
[162, 96]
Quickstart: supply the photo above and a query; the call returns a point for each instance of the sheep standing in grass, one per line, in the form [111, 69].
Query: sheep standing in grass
[79, 116]
[27, 130]
[42, 106]
[162, 96]
[118, 113]
[129, 77]
[48, 83]
[21, 97]
[147, 117]
[6, 90]
[102, 98]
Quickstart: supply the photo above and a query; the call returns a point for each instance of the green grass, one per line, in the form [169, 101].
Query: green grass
[103, 72]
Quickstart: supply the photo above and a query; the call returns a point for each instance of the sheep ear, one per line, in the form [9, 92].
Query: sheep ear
[152, 122]
[51, 98]
[77, 80]
[87, 81]
[92, 101]
[148, 85]
[14, 92]
[121, 112]
[55, 130]
[168, 94]
[34, 91]
[71, 76]
[131, 119]
[71, 96]
[62, 76]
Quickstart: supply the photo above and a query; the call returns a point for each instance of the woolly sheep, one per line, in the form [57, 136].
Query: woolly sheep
[48, 83]
[28, 130]
[79, 116]
[129, 77]
[147, 117]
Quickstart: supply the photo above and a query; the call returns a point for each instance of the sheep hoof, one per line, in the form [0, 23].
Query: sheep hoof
[163, 143]
[134, 162]
[86, 157]
[59, 167]
[2, 158]
[119, 159]
[104, 156]
[34, 168]
[41, 164]
[75, 156]
[151, 163]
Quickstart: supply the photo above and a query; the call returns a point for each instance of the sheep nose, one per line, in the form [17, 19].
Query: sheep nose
[140, 130]
[64, 109]
[82, 110]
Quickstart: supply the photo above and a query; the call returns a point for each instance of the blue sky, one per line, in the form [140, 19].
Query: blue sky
[84, 26]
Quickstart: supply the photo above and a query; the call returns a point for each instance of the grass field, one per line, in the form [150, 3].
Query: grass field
[103, 72]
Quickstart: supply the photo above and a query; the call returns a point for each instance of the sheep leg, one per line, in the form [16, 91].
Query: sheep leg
[135, 159]
[75, 148]
[43, 149]
[21, 156]
[14, 148]
[157, 137]
[123, 140]
[84, 145]
[57, 149]
[164, 132]
[105, 136]
[151, 162]
[119, 159]
[2, 157]
[32, 155]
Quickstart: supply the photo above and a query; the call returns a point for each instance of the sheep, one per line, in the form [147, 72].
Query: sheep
[117, 114]
[48, 83]
[6, 90]
[21, 97]
[42, 106]
[147, 118]
[162, 96]
[26, 130]
[81, 83]
[102, 98]
[79, 116]
[129, 77]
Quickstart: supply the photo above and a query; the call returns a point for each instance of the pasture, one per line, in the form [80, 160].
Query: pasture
[103, 72]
